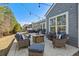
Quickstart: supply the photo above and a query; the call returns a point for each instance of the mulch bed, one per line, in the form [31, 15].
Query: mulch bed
[6, 45]
[5, 51]
[76, 54]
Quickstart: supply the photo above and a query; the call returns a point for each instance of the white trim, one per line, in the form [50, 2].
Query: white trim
[45, 24]
[59, 15]
[56, 25]
[67, 25]
[50, 9]
[78, 24]
[49, 25]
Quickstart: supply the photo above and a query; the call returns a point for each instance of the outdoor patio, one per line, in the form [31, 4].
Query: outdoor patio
[48, 50]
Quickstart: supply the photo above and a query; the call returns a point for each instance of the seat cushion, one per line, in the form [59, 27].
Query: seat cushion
[36, 48]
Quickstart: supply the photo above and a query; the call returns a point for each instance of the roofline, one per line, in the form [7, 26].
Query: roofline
[43, 20]
[50, 9]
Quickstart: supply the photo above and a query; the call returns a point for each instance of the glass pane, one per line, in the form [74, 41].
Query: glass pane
[43, 26]
[52, 22]
[61, 20]
[61, 28]
[52, 29]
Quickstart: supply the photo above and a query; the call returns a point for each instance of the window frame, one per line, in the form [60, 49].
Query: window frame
[65, 13]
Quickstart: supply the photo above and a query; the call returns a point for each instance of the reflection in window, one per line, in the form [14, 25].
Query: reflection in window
[61, 20]
[63, 28]
[52, 22]
[52, 29]
[58, 22]
[52, 25]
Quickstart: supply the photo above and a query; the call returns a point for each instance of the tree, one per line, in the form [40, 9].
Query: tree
[17, 28]
[7, 15]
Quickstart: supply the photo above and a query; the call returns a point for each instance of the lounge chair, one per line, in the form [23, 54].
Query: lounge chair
[60, 42]
[51, 36]
[21, 41]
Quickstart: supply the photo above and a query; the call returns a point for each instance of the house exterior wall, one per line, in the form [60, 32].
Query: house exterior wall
[39, 25]
[36, 26]
[78, 24]
[72, 9]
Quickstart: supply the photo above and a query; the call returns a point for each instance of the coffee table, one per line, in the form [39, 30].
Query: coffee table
[38, 38]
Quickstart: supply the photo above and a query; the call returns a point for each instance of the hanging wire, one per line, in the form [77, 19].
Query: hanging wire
[39, 4]
[45, 4]
[30, 13]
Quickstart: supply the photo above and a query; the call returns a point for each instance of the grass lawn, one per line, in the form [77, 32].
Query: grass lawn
[5, 42]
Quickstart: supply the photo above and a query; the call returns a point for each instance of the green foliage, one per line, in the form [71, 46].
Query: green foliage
[13, 22]
[14, 25]
[7, 11]
[17, 28]
[1, 18]
[1, 15]
[2, 8]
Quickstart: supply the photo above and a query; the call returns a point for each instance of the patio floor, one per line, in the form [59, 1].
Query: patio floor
[48, 50]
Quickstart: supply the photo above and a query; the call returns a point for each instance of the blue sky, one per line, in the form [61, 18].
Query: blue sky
[22, 11]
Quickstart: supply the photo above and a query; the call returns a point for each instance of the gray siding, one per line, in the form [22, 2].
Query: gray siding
[72, 9]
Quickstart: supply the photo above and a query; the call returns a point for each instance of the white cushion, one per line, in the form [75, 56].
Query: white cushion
[23, 37]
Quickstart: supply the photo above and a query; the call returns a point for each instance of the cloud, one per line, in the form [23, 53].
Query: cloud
[23, 22]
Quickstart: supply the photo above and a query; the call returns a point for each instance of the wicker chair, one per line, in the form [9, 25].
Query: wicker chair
[60, 42]
[22, 42]
[51, 36]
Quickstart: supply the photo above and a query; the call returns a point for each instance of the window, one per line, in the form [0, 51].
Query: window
[52, 25]
[60, 21]
[43, 25]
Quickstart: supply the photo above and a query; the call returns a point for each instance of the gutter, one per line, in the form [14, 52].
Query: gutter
[50, 9]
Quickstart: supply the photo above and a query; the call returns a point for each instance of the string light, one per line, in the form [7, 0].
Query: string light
[39, 4]
[30, 13]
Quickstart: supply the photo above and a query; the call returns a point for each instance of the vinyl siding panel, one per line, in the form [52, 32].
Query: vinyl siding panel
[72, 9]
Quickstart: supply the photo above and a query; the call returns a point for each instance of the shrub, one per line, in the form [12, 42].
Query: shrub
[17, 28]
